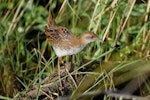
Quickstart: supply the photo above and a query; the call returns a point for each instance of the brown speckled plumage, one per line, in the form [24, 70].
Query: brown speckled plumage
[63, 41]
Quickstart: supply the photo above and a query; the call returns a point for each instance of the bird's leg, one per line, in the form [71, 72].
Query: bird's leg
[59, 72]
[73, 58]
[60, 60]
[68, 66]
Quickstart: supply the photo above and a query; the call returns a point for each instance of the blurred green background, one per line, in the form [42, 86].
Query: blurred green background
[123, 25]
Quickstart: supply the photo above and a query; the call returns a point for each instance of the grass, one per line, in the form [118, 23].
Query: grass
[26, 57]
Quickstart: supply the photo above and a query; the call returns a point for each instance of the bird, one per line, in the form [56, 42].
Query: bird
[64, 42]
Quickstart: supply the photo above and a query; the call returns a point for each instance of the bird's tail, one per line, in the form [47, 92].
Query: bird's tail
[51, 21]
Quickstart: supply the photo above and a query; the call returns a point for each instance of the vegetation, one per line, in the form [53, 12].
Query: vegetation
[26, 57]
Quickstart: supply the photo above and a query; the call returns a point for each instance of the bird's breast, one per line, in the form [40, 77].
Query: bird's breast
[68, 50]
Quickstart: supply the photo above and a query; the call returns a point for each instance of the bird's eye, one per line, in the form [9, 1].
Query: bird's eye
[92, 36]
